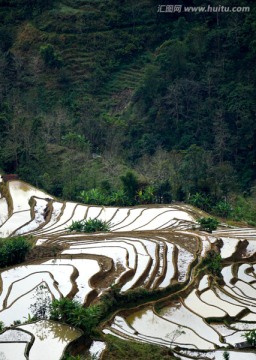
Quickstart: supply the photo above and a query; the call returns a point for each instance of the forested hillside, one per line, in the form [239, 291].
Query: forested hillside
[112, 102]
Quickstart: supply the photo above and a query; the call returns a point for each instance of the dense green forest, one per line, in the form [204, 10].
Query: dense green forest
[117, 103]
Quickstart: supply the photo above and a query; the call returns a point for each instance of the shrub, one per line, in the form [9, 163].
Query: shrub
[101, 197]
[89, 226]
[201, 201]
[146, 195]
[73, 313]
[250, 337]
[50, 57]
[13, 250]
[208, 224]
[1, 326]
[119, 198]
[94, 196]
[226, 355]
[223, 209]
[244, 209]
[211, 204]
[212, 262]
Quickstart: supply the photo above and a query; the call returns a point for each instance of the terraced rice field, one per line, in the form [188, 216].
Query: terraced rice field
[153, 247]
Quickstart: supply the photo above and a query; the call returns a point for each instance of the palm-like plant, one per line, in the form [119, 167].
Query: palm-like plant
[89, 226]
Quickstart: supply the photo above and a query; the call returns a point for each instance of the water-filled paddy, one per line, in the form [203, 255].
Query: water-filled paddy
[155, 260]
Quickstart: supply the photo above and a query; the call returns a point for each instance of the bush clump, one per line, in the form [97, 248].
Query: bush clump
[13, 250]
[208, 224]
[50, 57]
[250, 337]
[89, 226]
[213, 263]
[73, 313]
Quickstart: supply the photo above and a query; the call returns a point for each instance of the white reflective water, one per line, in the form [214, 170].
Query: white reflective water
[51, 338]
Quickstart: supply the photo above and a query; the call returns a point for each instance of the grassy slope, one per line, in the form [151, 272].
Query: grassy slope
[123, 350]
[104, 47]
[101, 45]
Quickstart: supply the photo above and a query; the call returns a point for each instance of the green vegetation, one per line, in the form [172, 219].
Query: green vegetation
[208, 224]
[89, 226]
[244, 209]
[73, 313]
[89, 318]
[30, 319]
[250, 336]
[212, 263]
[237, 207]
[2, 326]
[226, 355]
[118, 349]
[13, 250]
[131, 192]
[116, 104]
[50, 57]
[78, 357]
[211, 204]
[122, 105]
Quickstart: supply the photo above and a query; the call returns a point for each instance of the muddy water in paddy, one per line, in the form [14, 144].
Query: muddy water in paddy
[51, 338]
